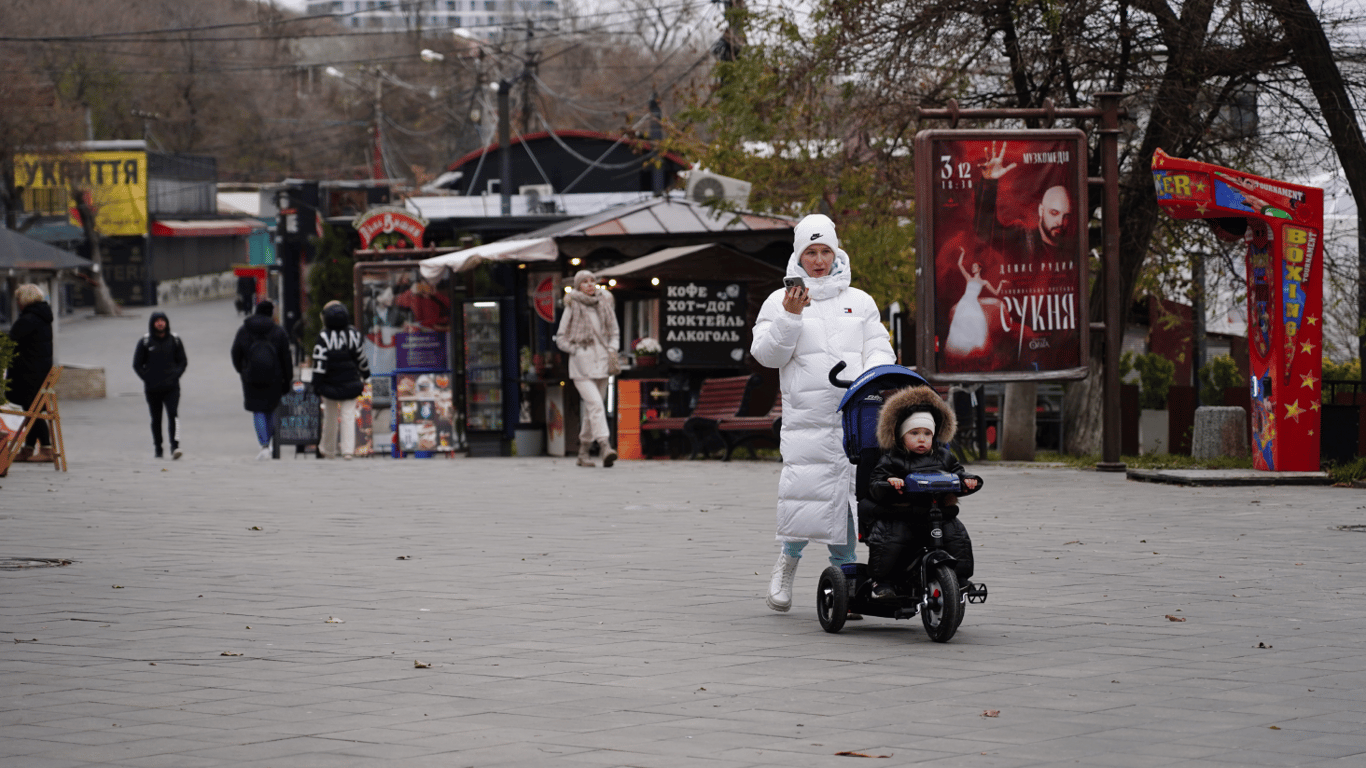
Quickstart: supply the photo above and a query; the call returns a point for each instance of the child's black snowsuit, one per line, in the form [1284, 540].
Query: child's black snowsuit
[894, 521]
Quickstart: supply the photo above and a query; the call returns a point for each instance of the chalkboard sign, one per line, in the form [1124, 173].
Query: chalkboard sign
[298, 419]
[704, 323]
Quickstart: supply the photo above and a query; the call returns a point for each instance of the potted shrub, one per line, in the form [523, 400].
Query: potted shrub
[646, 352]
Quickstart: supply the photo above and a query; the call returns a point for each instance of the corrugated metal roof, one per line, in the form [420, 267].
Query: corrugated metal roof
[661, 216]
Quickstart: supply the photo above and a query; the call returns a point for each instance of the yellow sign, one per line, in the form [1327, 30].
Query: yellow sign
[115, 179]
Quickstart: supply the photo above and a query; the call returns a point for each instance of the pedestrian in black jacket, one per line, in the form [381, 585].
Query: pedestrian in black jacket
[160, 361]
[260, 353]
[339, 373]
[913, 428]
[32, 335]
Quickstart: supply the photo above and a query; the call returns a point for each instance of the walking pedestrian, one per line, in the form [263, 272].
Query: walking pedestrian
[339, 373]
[160, 361]
[260, 354]
[32, 335]
[803, 330]
[589, 334]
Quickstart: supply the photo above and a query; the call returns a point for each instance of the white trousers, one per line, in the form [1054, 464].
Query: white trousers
[328, 448]
[592, 412]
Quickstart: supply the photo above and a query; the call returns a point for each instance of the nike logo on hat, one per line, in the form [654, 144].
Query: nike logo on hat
[816, 236]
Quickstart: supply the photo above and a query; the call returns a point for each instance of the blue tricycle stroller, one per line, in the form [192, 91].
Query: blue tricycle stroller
[929, 586]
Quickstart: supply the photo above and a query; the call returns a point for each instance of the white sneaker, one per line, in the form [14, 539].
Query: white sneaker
[780, 587]
[264, 454]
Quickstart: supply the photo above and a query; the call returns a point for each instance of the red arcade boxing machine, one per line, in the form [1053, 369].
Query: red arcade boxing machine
[1282, 225]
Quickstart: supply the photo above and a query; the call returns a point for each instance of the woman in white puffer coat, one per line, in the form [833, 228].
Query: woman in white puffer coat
[804, 332]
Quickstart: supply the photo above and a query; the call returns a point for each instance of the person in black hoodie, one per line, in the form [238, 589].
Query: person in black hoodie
[160, 361]
[260, 353]
[339, 373]
[32, 335]
[913, 428]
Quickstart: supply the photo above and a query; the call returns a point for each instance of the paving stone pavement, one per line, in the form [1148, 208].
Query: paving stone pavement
[615, 617]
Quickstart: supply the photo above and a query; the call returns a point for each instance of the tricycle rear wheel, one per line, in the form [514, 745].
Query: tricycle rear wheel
[832, 599]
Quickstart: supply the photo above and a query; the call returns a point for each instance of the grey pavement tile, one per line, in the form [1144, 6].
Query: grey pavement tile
[625, 609]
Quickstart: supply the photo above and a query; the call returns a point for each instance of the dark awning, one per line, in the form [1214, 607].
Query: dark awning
[21, 252]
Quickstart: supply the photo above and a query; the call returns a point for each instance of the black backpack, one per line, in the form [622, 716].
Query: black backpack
[262, 369]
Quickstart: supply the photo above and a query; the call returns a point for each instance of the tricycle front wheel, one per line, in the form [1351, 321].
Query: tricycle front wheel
[944, 612]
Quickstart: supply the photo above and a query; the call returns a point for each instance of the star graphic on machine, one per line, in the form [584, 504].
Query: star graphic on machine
[1307, 348]
[1293, 410]
[1201, 186]
[1314, 405]
[1202, 208]
[1308, 380]
[1311, 320]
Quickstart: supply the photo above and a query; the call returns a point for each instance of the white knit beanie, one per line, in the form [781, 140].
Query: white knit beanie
[816, 228]
[917, 419]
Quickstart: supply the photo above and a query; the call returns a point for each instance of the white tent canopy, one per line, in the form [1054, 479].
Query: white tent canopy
[537, 249]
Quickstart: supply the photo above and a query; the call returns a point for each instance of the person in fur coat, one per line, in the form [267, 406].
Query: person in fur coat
[588, 333]
[913, 428]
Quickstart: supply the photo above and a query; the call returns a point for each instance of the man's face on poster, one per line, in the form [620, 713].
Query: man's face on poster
[1055, 213]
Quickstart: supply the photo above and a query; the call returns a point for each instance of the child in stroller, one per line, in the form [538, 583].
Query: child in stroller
[913, 429]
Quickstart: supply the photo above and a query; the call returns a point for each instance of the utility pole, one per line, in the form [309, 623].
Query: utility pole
[656, 137]
[377, 155]
[505, 151]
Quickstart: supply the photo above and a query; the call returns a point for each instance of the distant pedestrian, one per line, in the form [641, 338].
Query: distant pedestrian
[589, 334]
[339, 373]
[260, 353]
[32, 334]
[160, 361]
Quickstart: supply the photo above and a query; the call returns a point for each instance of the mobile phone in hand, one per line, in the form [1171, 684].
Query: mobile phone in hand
[793, 282]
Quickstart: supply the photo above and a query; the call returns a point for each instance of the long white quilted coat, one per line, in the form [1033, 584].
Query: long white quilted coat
[816, 488]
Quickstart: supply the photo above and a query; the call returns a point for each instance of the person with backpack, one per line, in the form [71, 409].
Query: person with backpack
[339, 373]
[260, 353]
[160, 361]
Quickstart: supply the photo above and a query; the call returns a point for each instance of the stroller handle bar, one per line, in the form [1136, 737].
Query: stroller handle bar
[835, 380]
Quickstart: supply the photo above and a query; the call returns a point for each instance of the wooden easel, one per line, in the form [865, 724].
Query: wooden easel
[44, 407]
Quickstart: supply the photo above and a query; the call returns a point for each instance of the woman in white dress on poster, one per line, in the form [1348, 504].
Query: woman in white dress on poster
[968, 330]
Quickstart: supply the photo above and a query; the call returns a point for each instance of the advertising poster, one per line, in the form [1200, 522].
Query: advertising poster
[425, 412]
[116, 180]
[1002, 241]
[405, 320]
[703, 322]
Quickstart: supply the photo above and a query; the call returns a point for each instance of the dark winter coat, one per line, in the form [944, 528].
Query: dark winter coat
[262, 399]
[891, 522]
[32, 334]
[339, 365]
[159, 360]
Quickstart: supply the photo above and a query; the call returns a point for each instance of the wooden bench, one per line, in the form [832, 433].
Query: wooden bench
[740, 430]
[718, 398]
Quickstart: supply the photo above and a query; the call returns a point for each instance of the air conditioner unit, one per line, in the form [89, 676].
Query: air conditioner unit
[704, 187]
[539, 190]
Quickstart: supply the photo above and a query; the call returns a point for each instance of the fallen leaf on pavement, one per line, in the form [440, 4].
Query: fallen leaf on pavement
[421, 665]
[992, 713]
[858, 754]
[404, 557]
[117, 586]
[1065, 543]
[334, 620]
[229, 653]
[1263, 645]
[254, 528]
[1274, 727]
[1174, 618]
